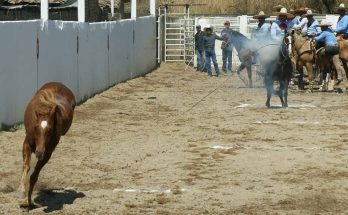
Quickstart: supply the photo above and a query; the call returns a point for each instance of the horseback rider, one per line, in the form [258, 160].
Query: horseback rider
[331, 49]
[263, 28]
[312, 28]
[342, 24]
[299, 20]
[280, 26]
[226, 47]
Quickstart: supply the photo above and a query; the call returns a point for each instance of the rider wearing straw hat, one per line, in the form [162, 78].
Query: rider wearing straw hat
[299, 20]
[331, 49]
[328, 38]
[342, 24]
[280, 26]
[263, 28]
[312, 25]
[278, 8]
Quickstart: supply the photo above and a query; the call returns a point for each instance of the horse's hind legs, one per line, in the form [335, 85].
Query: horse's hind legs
[250, 85]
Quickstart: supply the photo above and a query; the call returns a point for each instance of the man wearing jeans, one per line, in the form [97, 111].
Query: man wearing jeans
[209, 46]
[226, 47]
[199, 46]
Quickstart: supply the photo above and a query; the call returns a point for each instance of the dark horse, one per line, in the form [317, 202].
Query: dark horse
[48, 116]
[278, 67]
[245, 53]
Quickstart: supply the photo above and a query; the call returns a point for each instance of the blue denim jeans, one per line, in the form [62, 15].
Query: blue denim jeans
[227, 59]
[210, 55]
[200, 60]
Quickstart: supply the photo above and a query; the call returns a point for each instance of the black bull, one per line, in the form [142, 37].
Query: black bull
[275, 60]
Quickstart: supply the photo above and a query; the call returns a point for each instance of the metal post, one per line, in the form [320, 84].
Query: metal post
[153, 7]
[134, 9]
[243, 24]
[159, 36]
[81, 10]
[112, 5]
[165, 33]
[44, 10]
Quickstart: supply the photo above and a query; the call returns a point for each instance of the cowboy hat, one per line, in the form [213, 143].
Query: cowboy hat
[309, 13]
[341, 7]
[260, 15]
[278, 7]
[209, 27]
[301, 10]
[325, 24]
[284, 12]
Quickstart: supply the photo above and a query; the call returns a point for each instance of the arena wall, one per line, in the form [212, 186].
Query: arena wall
[87, 57]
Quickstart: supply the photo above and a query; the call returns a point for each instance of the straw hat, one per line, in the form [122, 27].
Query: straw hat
[309, 13]
[325, 24]
[260, 15]
[278, 7]
[284, 12]
[301, 10]
[341, 7]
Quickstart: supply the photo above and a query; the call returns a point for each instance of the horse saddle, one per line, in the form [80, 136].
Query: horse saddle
[319, 50]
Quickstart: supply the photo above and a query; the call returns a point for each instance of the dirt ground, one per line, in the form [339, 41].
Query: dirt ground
[179, 142]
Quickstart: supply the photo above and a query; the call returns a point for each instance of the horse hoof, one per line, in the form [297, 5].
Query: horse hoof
[27, 207]
[268, 105]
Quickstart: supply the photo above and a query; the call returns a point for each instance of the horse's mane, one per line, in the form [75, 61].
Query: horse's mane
[48, 99]
[240, 41]
[240, 35]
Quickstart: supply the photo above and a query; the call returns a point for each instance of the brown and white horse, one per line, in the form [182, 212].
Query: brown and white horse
[48, 116]
[303, 56]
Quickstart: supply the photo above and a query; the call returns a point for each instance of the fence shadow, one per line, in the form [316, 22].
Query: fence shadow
[54, 200]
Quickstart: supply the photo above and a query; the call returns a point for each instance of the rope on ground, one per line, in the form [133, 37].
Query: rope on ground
[206, 96]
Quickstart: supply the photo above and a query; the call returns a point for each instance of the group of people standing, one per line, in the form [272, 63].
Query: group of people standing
[205, 48]
[271, 32]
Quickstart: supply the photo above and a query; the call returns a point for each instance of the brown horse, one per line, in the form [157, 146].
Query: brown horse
[48, 116]
[304, 56]
[343, 44]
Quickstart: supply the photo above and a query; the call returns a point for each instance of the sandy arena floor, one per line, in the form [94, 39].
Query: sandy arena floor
[149, 146]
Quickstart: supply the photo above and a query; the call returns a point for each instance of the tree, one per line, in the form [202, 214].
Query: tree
[329, 5]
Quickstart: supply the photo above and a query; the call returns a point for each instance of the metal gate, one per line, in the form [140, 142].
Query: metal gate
[179, 32]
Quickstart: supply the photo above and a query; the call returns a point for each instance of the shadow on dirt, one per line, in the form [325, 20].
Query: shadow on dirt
[55, 200]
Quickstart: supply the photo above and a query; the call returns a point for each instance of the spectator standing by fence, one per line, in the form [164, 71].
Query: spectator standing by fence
[209, 48]
[199, 46]
[227, 47]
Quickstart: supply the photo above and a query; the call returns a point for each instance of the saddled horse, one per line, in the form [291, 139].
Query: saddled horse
[343, 45]
[243, 46]
[48, 116]
[278, 67]
[304, 56]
